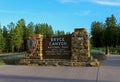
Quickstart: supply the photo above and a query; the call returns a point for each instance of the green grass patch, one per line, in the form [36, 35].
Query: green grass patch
[12, 61]
[7, 54]
[2, 62]
[115, 50]
[99, 55]
[94, 49]
[112, 50]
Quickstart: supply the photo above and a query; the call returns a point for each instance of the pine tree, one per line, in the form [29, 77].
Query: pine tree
[30, 29]
[22, 33]
[59, 33]
[44, 29]
[97, 33]
[111, 33]
[6, 38]
[12, 35]
[18, 41]
[2, 41]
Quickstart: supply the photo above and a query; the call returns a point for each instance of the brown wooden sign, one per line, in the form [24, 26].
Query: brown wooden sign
[57, 47]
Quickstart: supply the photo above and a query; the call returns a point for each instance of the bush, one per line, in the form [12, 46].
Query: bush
[12, 61]
[100, 56]
[2, 62]
[115, 50]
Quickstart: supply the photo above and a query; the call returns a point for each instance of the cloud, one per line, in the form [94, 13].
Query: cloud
[5, 11]
[108, 2]
[83, 13]
[13, 12]
[69, 1]
[100, 2]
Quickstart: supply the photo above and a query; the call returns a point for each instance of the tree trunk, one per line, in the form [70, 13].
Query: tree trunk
[12, 48]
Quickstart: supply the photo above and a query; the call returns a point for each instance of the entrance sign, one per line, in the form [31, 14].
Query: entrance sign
[57, 47]
[67, 50]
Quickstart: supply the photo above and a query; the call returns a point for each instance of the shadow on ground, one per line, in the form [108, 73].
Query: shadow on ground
[12, 78]
[112, 61]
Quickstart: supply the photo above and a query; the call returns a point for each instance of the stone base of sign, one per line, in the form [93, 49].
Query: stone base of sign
[79, 54]
[80, 45]
[58, 62]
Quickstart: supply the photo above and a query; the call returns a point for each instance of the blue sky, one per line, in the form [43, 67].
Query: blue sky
[61, 14]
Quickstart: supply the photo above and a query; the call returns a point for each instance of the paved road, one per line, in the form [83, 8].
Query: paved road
[108, 72]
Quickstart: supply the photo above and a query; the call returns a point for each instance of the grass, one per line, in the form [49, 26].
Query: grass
[115, 50]
[112, 50]
[7, 54]
[11, 61]
[98, 53]
[93, 49]
[2, 62]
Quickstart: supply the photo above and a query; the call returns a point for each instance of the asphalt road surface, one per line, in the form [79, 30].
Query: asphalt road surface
[108, 72]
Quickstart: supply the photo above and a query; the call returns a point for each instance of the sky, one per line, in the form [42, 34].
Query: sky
[61, 14]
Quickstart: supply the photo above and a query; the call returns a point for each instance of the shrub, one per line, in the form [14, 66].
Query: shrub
[12, 61]
[115, 50]
[2, 62]
[98, 55]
